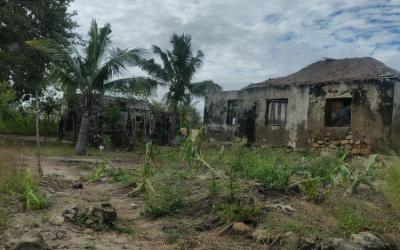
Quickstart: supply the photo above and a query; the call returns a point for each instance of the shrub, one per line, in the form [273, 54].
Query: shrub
[391, 187]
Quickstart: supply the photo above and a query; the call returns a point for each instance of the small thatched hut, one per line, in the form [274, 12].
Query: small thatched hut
[351, 103]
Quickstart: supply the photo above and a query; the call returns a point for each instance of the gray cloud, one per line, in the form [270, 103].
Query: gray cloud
[250, 41]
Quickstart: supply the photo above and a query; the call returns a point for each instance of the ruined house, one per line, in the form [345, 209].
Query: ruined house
[348, 103]
[120, 120]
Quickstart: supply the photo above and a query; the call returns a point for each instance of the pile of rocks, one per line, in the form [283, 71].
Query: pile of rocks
[354, 144]
[96, 217]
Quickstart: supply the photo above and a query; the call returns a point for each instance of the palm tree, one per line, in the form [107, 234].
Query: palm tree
[176, 72]
[92, 71]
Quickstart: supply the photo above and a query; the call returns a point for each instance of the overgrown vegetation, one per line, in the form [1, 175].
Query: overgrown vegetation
[105, 168]
[350, 219]
[391, 187]
[168, 195]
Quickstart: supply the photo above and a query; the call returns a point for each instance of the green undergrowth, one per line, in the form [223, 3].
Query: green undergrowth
[105, 169]
[391, 186]
[168, 195]
[238, 211]
[350, 219]
[23, 186]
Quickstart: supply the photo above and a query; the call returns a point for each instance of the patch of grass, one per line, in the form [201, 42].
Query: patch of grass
[173, 234]
[167, 198]
[291, 225]
[231, 212]
[105, 169]
[24, 186]
[30, 194]
[391, 187]
[272, 168]
[351, 220]
[129, 230]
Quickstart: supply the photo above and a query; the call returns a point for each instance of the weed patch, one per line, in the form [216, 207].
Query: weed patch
[391, 187]
[167, 198]
[237, 211]
[350, 220]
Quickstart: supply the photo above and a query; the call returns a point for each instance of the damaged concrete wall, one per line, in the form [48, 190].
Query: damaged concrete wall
[374, 126]
[371, 116]
[395, 133]
[215, 115]
[293, 133]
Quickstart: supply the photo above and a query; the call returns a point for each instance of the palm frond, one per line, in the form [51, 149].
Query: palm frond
[117, 62]
[155, 70]
[141, 86]
[166, 61]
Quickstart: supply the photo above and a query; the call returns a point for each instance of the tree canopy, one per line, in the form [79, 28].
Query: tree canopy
[23, 20]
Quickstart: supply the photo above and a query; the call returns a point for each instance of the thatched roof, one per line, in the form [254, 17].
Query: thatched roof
[334, 70]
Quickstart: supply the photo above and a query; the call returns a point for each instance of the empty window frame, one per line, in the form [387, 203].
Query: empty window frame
[276, 112]
[338, 112]
[231, 118]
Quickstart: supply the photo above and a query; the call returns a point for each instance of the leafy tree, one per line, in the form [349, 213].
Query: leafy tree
[7, 97]
[23, 20]
[176, 72]
[92, 72]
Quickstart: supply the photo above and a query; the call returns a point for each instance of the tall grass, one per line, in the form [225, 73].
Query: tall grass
[391, 187]
[18, 183]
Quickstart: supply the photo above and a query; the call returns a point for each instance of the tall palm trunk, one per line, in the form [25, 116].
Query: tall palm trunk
[173, 123]
[80, 148]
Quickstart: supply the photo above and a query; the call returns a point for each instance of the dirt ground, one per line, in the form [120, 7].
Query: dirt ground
[61, 172]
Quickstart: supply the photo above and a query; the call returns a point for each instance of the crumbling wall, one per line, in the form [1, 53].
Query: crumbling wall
[395, 133]
[371, 116]
[215, 115]
[293, 133]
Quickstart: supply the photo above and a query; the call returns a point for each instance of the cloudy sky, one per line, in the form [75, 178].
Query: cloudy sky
[246, 41]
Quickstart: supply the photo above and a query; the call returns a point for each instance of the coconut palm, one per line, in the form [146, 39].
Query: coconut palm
[176, 72]
[91, 72]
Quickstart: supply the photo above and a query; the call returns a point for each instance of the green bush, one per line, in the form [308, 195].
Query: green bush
[391, 187]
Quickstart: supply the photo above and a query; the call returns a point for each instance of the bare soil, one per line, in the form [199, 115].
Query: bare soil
[61, 172]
